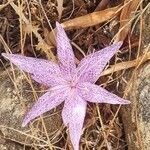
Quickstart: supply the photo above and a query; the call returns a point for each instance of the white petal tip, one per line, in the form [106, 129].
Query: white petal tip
[128, 102]
[24, 124]
[118, 44]
[58, 25]
[124, 102]
[5, 55]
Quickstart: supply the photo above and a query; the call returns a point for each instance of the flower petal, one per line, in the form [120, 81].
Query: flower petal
[45, 103]
[53, 80]
[94, 93]
[65, 52]
[42, 70]
[92, 65]
[66, 112]
[76, 121]
[73, 114]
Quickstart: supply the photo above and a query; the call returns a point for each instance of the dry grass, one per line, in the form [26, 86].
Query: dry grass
[103, 128]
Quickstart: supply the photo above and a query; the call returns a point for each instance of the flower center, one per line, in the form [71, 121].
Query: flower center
[73, 83]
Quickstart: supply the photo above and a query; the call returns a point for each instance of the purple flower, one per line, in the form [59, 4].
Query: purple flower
[74, 85]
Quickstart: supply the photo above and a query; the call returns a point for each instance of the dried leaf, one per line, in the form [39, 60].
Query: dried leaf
[46, 48]
[125, 18]
[85, 21]
[128, 64]
[60, 7]
[91, 19]
[49, 37]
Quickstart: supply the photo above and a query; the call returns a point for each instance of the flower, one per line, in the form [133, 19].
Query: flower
[74, 85]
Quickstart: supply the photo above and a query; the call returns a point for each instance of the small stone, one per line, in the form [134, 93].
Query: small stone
[136, 118]
[15, 101]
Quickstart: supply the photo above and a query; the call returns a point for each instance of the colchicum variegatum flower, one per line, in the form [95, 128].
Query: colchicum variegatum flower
[73, 85]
